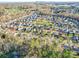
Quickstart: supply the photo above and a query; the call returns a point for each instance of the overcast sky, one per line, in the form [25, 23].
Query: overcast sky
[39, 0]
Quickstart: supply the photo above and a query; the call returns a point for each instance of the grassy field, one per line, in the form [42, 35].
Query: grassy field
[44, 40]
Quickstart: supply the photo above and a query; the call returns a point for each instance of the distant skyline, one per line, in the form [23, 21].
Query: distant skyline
[39, 0]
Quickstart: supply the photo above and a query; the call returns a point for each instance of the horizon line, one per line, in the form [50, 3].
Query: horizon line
[35, 1]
